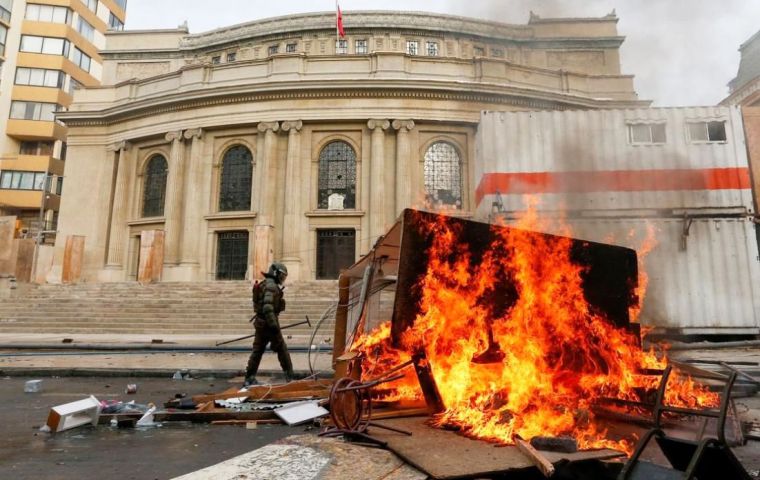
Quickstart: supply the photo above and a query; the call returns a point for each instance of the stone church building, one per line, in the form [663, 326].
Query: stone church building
[273, 140]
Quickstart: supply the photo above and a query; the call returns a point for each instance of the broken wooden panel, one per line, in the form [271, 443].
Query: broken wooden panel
[73, 256]
[609, 278]
[151, 256]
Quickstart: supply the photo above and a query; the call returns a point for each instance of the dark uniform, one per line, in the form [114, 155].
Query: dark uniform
[268, 302]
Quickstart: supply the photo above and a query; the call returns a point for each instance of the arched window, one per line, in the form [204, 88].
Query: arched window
[235, 186]
[154, 192]
[443, 175]
[337, 174]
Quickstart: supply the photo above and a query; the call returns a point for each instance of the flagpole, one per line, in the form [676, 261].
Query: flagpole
[337, 31]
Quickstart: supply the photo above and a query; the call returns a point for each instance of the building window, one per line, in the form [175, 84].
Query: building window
[81, 60]
[114, 23]
[46, 45]
[412, 47]
[231, 57]
[290, 48]
[74, 85]
[33, 111]
[59, 186]
[15, 180]
[3, 36]
[36, 148]
[646, 133]
[62, 152]
[91, 4]
[432, 49]
[47, 13]
[443, 175]
[232, 255]
[154, 191]
[707, 131]
[341, 46]
[121, 3]
[39, 77]
[337, 174]
[216, 59]
[273, 49]
[85, 29]
[5, 10]
[361, 47]
[235, 185]
[497, 53]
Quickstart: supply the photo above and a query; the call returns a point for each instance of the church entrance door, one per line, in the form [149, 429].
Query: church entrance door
[336, 250]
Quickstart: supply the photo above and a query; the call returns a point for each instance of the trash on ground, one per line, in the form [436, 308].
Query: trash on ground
[33, 386]
[74, 414]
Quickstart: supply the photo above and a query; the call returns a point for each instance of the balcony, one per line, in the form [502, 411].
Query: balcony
[32, 163]
[35, 130]
[28, 199]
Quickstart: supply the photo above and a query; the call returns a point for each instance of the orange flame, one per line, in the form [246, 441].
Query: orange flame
[557, 357]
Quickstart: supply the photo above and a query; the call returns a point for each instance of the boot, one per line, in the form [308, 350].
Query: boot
[250, 381]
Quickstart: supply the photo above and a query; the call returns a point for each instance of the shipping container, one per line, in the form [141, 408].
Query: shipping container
[653, 158]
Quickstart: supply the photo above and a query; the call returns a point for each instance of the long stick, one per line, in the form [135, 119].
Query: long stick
[544, 465]
[253, 334]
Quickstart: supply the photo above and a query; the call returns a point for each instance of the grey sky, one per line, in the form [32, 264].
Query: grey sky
[682, 52]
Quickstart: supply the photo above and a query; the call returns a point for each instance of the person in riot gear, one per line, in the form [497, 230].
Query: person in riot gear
[268, 302]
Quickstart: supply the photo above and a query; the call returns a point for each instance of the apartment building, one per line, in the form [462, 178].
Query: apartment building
[48, 48]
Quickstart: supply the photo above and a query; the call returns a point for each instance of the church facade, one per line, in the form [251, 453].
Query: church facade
[275, 140]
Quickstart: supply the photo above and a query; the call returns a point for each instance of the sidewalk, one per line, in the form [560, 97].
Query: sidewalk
[136, 355]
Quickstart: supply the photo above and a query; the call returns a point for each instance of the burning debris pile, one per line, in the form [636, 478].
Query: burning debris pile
[523, 332]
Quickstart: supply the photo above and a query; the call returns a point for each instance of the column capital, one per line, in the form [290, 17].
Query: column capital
[292, 126]
[173, 136]
[192, 133]
[403, 124]
[266, 126]
[119, 146]
[378, 123]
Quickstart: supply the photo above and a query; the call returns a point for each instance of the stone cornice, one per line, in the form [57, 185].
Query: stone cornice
[453, 91]
[119, 146]
[384, 20]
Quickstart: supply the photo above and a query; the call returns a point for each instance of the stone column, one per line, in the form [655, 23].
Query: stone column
[290, 231]
[378, 202]
[189, 241]
[174, 199]
[403, 165]
[119, 209]
[263, 237]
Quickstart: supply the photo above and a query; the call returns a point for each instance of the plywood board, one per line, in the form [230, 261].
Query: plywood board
[444, 454]
[73, 255]
[151, 256]
[7, 232]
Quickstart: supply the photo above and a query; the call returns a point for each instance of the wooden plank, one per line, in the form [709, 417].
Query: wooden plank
[447, 455]
[192, 416]
[260, 391]
[539, 460]
[246, 422]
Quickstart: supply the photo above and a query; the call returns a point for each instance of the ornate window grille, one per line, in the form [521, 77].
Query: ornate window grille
[154, 192]
[443, 175]
[337, 174]
[235, 186]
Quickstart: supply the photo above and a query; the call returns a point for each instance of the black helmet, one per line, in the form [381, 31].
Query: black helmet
[279, 271]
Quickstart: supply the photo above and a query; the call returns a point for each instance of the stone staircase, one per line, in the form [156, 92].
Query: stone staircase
[218, 308]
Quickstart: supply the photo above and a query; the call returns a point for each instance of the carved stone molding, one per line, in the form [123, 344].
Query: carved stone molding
[266, 126]
[119, 146]
[405, 124]
[173, 136]
[193, 133]
[294, 125]
[378, 123]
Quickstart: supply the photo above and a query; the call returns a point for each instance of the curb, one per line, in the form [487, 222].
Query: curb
[195, 374]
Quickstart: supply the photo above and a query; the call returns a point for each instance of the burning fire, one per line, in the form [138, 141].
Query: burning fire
[536, 368]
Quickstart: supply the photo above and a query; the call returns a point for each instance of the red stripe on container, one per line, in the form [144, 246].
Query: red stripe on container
[613, 181]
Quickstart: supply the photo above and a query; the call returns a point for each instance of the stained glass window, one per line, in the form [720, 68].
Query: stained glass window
[235, 187]
[154, 192]
[337, 174]
[443, 175]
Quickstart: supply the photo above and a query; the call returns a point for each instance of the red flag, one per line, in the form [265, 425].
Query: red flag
[341, 32]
